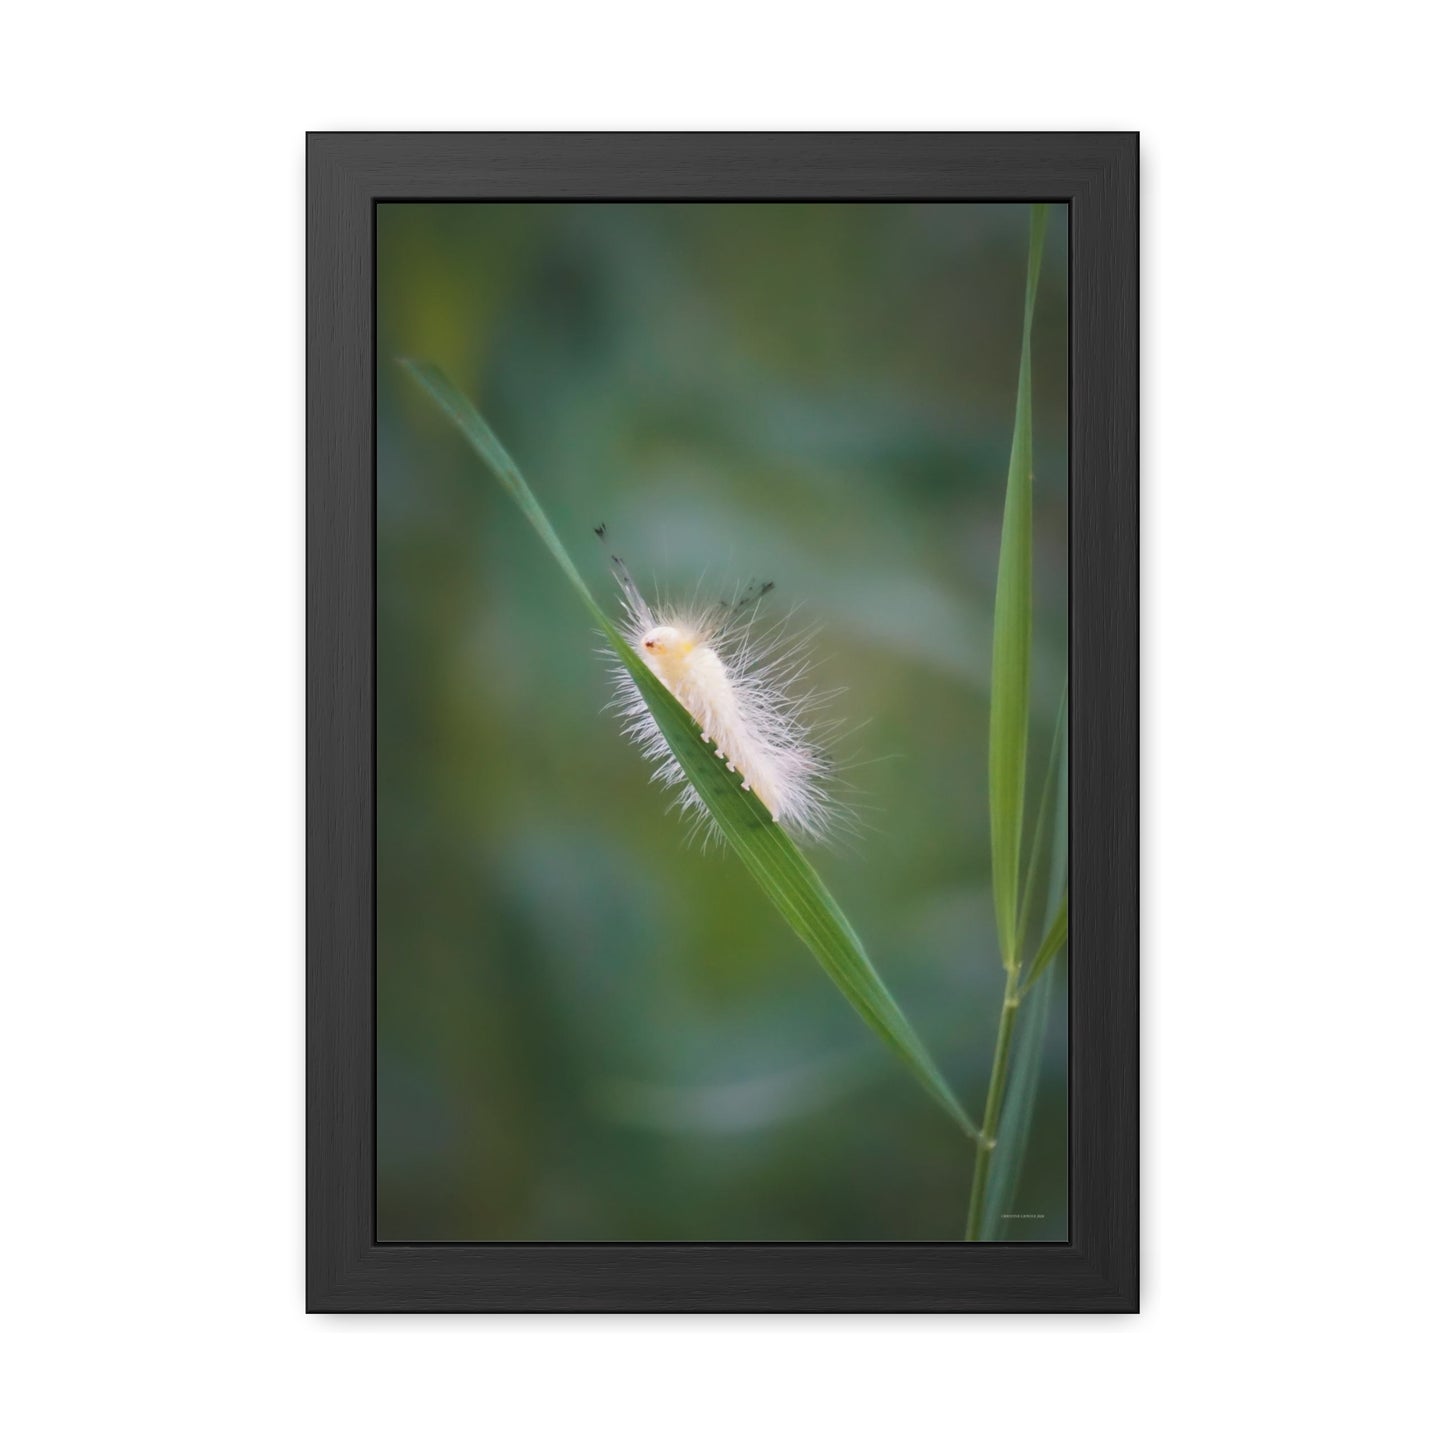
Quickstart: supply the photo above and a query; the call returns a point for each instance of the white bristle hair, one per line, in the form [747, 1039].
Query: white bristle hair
[740, 684]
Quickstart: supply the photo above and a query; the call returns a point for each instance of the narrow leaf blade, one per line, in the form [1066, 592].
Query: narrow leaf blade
[1043, 817]
[1053, 941]
[1013, 635]
[772, 858]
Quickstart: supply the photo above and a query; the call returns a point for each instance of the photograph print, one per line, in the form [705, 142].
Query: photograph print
[722, 722]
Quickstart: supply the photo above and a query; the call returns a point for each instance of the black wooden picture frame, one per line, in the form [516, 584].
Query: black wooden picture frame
[1097, 175]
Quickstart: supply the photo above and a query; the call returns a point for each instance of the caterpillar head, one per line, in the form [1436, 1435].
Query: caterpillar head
[664, 643]
[666, 650]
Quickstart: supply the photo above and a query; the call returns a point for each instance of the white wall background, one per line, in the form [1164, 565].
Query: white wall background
[151, 767]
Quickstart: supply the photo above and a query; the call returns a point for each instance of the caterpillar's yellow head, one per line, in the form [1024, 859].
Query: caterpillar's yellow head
[666, 649]
[665, 642]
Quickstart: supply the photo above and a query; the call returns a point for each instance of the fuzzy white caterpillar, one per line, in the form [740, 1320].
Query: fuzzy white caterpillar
[739, 686]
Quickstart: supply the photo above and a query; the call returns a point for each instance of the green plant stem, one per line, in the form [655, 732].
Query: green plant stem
[1008, 1015]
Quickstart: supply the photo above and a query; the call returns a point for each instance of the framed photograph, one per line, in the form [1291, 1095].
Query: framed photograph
[722, 722]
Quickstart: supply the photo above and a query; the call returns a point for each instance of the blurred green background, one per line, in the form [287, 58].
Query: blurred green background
[585, 1029]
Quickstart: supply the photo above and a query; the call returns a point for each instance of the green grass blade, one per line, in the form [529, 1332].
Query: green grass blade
[1016, 1124]
[1013, 635]
[468, 421]
[1053, 941]
[769, 855]
[1043, 820]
